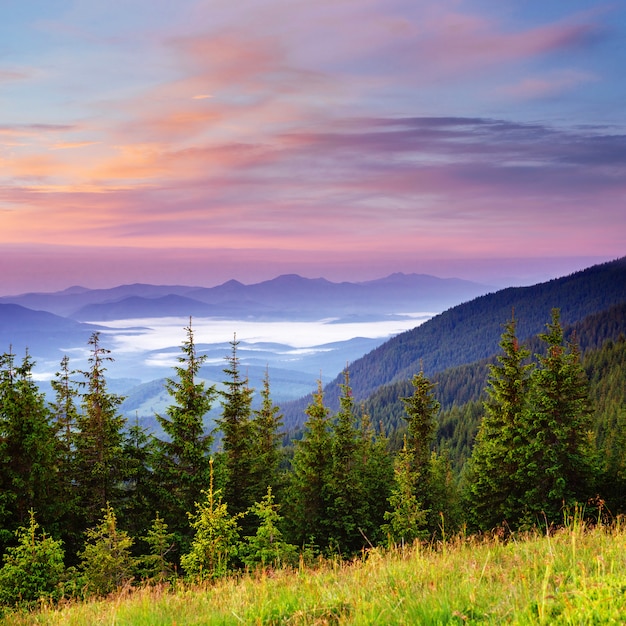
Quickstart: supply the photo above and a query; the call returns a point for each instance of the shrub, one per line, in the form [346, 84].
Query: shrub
[33, 569]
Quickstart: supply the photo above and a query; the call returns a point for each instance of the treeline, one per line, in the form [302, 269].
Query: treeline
[89, 502]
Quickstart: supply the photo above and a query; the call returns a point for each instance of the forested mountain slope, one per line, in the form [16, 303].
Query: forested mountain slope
[602, 337]
[465, 383]
[471, 331]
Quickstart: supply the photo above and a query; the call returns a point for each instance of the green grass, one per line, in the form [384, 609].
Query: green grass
[575, 576]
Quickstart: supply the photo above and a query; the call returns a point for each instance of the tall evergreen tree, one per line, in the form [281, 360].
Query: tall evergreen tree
[496, 479]
[421, 411]
[28, 449]
[560, 461]
[237, 439]
[309, 496]
[65, 413]
[267, 422]
[182, 460]
[100, 461]
[376, 471]
[65, 421]
[446, 515]
[347, 491]
[139, 486]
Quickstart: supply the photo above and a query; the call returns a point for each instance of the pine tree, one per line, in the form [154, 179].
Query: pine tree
[421, 410]
[106, 562]
[496, 479]
[33, 569]
[182, 461]
[100, 461]
[407, 519]
[268, 548]
[237, 438]
[267, 455]
[309, 496]
[560, 459]
[28, 449]
[216, 537]
[157, 566]
[347, 492]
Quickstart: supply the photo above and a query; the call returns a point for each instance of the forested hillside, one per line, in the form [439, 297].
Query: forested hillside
[458, 386]
[470, 332]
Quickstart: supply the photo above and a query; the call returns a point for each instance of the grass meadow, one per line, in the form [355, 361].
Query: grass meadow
[576, 575]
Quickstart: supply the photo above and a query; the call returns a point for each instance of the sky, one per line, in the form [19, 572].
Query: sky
[196, 141]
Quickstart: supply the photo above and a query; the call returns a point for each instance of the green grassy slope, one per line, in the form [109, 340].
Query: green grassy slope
[574, 576]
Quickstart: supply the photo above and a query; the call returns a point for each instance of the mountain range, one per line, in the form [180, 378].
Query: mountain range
[50, 325]
[286, 297]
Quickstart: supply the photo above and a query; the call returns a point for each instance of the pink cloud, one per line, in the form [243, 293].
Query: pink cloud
[547, 86]
[9, 75]
[451, 43]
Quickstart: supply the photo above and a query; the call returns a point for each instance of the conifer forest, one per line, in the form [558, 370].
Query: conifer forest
[91, 502]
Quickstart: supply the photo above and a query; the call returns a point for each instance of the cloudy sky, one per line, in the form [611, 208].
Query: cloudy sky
[201, 140]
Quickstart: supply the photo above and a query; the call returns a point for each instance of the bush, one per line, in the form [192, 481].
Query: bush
[33, 570]
[106, 561]
[267, 548]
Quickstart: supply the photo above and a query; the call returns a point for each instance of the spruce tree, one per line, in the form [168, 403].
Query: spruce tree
[267, 547]
[445, 515]
[347, 491]
[560, 462]
[28, 450]
[33, 569]
[100, 460]
[267, 422]
[421, 411]
[106, 562]
[376, 470]
[65, 415]
[406, 520]
[157, 565]
[214, 546]
[65, 423]
[309, 492]
[140, 494]
[182, 460]
[238, 441]
[495, 476]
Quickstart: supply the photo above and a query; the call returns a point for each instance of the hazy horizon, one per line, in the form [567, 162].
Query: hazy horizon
[497, 273]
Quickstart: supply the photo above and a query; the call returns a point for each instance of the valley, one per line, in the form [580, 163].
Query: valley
[298, 329]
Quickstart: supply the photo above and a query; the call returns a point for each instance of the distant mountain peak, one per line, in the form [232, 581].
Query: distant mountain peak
[295, 279]
[232, 283]
[74, 289]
